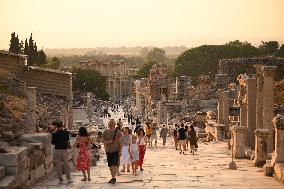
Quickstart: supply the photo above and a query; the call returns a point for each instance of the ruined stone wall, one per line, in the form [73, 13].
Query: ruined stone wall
[45, 80]
[234, 67]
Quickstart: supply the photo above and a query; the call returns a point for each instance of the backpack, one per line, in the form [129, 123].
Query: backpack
[148, 130]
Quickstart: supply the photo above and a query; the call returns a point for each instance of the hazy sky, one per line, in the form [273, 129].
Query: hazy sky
[93, 23]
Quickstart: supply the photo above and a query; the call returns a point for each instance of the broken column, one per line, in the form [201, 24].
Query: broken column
[89, 105]
[31, 110]
[221, 81]
[261, 141]
[251, 110]
[65, 117]
[278, 154]
[239, 141]
[226, 108]
[268, 103]
[70, 115]
[220, 107]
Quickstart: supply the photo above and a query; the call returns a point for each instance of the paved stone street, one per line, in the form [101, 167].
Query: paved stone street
[166, 168]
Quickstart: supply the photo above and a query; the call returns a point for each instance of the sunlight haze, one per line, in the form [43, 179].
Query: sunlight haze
[113, 23]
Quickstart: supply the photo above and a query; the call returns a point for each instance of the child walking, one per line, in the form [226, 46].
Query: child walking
[134, 154]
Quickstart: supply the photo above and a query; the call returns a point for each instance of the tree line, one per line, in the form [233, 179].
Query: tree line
[204, 59]
[35, 57]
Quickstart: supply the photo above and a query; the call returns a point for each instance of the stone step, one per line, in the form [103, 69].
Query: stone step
[2, 171]
[7, 182]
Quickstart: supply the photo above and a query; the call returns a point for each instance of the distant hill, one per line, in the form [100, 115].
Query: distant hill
[125, 51]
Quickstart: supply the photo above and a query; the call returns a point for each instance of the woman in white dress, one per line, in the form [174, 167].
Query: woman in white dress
[125, 158]
[134, 154]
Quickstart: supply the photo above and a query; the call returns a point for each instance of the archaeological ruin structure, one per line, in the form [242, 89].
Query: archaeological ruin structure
[41, 96]
[116, 72]
[256, 130]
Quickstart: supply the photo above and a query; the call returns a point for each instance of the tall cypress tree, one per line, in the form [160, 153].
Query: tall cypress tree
[31, 54]
[12, 47]
[26, 48]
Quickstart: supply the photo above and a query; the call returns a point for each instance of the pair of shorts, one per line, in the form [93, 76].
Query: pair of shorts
[154, 137]
[148, 136]
[112, 159]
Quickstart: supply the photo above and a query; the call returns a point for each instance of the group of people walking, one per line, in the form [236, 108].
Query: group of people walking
[125, 147]
[185, 138]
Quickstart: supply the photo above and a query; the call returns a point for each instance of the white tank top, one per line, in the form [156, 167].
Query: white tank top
[141, 141]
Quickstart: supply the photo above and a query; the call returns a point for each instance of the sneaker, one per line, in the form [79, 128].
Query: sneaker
[113, 181]
[69, 181]
[60, 182]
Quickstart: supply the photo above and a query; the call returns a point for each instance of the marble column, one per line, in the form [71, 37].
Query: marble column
[138, 97]
[259, 97]
[89, 106]
[226, 108]
[65, 117]
[220, 107]
[239, 141]
[251, 111]
[268, 102]
[278, 154]
[70, 115]
[261, 142]
[31, 111]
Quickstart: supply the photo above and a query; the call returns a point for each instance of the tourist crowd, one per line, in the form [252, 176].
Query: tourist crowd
[125, 147]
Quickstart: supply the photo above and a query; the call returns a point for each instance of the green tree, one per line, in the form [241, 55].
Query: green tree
[156, 55]
[26, 47]
[269, 48]
[15, 45]
[31, 52]
[280, 52]
[88, 80]
[53, 63]
[41, 58]
[144, 71]
[204, 59]
[144, 52]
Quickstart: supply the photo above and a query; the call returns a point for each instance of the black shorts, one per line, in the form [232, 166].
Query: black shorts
[112, 159]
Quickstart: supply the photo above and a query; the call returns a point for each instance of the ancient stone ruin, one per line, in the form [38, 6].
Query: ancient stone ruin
[31, 98]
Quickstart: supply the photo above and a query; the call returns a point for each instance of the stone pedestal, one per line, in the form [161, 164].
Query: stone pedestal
[219, 130]
[31, 110]
[251, 111]
[239, 141]
[278, 154]
[261, 137]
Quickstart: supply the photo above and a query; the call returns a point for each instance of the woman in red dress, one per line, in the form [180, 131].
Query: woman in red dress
[83, 159]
